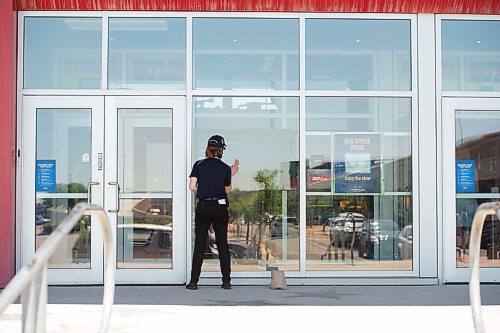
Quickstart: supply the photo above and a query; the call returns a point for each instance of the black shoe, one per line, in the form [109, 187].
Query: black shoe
[192, 286]
[226, 285]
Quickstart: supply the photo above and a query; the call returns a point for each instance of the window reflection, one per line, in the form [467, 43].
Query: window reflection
[245, 53]
[63, 160]
[358, 168]
[145, 161]
[75, 251]
[144, 234]
[263, 133]
[477, 136]
[147, 53]
[470, 55]
[70, 61]
[358, 54]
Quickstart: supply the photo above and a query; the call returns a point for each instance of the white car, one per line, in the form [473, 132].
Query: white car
[405, 243]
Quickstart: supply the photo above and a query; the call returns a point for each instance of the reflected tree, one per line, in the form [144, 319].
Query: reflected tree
[268, 201]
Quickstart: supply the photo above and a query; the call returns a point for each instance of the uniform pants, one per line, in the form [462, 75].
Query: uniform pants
[211, 212]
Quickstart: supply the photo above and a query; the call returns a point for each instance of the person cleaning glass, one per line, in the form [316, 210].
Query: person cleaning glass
[211, 179]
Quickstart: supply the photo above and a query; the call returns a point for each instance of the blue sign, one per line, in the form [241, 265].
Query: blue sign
[46, 175]
[466, 178]
[357, 163]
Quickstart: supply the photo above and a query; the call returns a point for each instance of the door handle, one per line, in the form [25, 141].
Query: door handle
[89, 191]
[117, 198]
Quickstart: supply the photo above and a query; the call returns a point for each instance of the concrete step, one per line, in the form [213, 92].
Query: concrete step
[130, 318]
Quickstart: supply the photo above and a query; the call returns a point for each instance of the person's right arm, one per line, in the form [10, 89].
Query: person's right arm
[234, 171]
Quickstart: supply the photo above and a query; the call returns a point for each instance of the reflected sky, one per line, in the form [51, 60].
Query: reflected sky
[64, 135]
[470, 125]
[72, 60]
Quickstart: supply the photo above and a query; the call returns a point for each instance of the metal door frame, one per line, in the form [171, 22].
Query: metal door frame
[449, 106]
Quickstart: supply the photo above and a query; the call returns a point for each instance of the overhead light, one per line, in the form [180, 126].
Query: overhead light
[90, 23]
[86, 23]
[138, 24]
[478, 42]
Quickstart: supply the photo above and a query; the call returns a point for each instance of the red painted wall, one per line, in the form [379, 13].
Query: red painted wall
[7, 140]
[380, 6]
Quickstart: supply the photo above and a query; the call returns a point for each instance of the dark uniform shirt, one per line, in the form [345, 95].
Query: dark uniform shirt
[213, 175]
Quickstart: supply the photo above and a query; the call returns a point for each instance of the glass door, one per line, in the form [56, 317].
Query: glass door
[61, 159]
[471, 175]
[145, 187]
[126, 154]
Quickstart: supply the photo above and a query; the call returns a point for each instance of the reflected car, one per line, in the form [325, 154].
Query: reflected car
[236, 251]
[405, 243]
[345, 224]
[146, 235]
[378, 240]
[276, 229]
[39, 219]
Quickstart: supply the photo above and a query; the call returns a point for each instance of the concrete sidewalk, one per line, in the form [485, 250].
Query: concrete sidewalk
[384, 309]
[438, 295]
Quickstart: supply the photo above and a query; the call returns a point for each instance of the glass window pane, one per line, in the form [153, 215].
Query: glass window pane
[145, 226]
[145, 150]
[358, 169]
[477, 138]
[63, 162]
[246, 54]
[263, 133]
[346, 54]
[470, 52]
[75, 251]
[477, 146]
[72, 60]
[358, 114]
[144, 233]
[147, 53]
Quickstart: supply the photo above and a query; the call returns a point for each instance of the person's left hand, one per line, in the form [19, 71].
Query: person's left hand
[235, 167]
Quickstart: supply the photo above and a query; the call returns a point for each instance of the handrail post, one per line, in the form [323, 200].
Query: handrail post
[31, 281]
[488, 208]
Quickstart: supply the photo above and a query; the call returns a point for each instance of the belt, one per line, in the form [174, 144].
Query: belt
[210, 199]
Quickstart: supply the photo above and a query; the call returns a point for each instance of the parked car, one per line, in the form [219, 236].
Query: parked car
[276, 224]
[39, 219]
[405, 243]
[378, 240]
[344, 225]
[236, 251]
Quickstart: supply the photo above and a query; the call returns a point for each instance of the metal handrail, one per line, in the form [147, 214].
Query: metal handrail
[31, 281]
[488, 208]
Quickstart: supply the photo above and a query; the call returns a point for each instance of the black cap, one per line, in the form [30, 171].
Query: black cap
[216, 141]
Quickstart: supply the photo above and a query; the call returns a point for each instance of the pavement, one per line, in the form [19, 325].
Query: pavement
[437, 308]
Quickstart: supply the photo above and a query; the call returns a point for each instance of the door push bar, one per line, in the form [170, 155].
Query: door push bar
[89, 191]
[117, 198]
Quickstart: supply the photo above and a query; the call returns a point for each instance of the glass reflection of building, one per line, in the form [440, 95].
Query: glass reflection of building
[478, 143]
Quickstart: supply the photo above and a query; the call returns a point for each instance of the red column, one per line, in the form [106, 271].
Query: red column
[7, 139]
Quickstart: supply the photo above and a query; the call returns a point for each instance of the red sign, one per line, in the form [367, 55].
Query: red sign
[319, 178]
